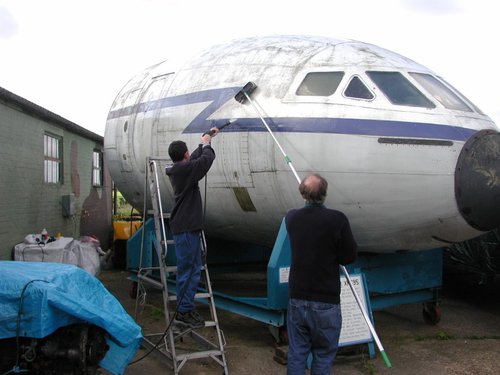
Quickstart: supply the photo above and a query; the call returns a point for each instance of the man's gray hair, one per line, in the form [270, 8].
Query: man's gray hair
[313, 189]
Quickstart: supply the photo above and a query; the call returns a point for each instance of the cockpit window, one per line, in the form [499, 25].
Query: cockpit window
[399, 90]
[320, 83]
[357, 89]
[440, 92]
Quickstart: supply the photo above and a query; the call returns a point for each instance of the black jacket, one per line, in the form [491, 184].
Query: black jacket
[320, 240]
[187, 213]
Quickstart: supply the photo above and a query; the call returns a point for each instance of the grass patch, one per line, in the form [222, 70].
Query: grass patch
[442, 335]
[368, 366]
[156, 313]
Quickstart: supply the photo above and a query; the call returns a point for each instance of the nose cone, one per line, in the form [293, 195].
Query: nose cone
[477, 180]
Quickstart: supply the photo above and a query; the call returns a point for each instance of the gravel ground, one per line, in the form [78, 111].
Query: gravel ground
[466, 340]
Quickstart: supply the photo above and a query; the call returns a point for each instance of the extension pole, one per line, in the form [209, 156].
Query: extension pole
[344, 270]
[367, 318]
[287, 159]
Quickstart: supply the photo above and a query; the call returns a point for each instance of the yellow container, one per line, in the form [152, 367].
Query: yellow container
[123, 230]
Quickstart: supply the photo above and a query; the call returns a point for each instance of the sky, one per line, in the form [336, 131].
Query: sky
[72, 57]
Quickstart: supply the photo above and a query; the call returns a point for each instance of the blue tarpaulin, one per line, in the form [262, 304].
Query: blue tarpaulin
[56, 295]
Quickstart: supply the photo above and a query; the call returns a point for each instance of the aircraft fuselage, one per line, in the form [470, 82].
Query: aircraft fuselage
[387, 133]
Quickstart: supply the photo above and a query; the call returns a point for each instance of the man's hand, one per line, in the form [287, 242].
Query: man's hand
[207, 137]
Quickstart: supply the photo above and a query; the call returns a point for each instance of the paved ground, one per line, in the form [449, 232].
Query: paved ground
[466, 341]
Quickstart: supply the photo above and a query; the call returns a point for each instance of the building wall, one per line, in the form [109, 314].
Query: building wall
[27, 204]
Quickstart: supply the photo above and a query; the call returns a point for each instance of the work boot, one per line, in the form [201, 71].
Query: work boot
[189, 319]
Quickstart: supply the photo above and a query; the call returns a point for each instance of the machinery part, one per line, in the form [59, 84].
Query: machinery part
[431, 313]
[281, 354]
[280, 334]
[477, 181]
[75, 349]
[132, 289]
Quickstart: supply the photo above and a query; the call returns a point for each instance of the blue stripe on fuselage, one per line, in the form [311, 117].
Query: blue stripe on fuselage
[218, 97]
[381, 128]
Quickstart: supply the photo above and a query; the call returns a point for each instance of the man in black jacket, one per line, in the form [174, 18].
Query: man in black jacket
[186, 222]
[320, 240]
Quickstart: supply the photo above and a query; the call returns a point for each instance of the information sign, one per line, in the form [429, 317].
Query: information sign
[354, 328]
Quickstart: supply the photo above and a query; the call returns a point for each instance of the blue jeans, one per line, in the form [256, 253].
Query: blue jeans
[188, 253]
[313, 327]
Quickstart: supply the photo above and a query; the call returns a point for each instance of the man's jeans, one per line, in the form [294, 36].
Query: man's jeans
[312, 327]
[188, 253]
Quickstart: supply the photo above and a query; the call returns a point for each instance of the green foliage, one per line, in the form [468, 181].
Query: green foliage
[368, 366]
[480, 256]
[124, 210]
[156, 313]
[442, 335]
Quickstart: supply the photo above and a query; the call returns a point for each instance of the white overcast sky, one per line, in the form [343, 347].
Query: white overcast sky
[72, 57]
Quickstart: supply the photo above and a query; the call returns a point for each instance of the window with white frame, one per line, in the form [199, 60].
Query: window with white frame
[52, 150]
[97, 168]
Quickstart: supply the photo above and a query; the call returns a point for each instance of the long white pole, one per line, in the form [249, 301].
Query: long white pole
[344, 270]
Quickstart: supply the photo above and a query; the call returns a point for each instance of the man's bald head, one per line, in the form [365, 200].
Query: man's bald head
[313, 189]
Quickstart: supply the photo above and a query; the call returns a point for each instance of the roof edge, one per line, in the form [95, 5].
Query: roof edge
[44, 114]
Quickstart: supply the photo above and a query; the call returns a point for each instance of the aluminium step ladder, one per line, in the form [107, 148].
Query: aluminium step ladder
[168, 342]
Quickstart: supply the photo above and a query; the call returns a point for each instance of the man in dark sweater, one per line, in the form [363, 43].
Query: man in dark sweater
[186, 222]
[320, 241]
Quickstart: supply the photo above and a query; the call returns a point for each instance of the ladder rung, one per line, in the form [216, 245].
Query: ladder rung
[202, 295]
[173, 269]
[151, 281]
[147, 269]
[208, 323]
[201, 354]
[184, 330]
[166, 215]
[197, 295]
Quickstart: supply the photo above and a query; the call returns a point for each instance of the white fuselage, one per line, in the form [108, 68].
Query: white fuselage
[397, 195]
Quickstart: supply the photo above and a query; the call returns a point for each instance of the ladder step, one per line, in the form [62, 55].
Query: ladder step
[173, 269]
[166, 215]
[150, 281]
[168, 269]
[184, 329]
[168, 242]
[173, 297]
[196, 355]
[202, 295]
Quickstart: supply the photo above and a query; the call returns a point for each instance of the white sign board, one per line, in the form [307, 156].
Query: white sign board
[284, 274]
[354, 328]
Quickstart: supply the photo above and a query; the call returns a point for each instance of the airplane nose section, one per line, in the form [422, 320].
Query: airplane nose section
[477, 180]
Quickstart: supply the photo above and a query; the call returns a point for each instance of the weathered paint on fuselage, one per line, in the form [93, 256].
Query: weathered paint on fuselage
[397, 196]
